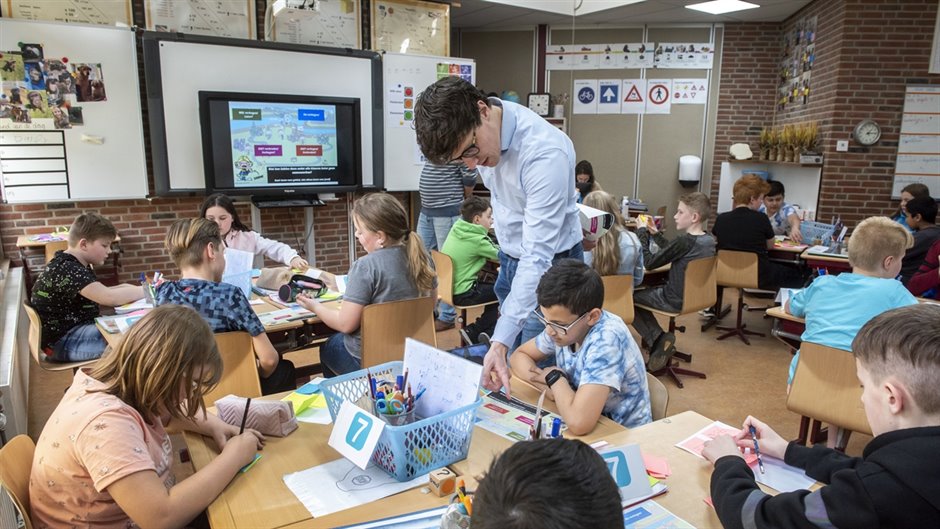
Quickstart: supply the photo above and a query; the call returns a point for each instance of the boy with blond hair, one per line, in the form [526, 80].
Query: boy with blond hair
[894, 483]
[836, 306]
[67, 294]
[693, 243]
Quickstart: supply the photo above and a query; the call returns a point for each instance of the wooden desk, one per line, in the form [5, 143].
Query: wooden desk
[259, 498]
[834, 264]
[787, 253]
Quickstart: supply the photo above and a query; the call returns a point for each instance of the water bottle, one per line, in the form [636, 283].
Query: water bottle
[625, 206]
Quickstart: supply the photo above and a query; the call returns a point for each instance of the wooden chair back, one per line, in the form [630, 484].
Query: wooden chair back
[618, 296]
[825, 387]
[16, 462]
[53, 247]
[239, 371]
[659, 397]
[737, 269]
[386, 325]
[445, 276]
[34, 339]
[700, 290]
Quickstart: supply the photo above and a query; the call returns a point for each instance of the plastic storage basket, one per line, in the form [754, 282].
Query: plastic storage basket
[811, 230]
[412, 449]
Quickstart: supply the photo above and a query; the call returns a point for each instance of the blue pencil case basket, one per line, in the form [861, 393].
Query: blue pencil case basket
[412, 449]
[811, 231]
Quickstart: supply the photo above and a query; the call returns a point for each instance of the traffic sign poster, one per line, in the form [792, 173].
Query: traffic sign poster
[633, 96]
[690, 91]
[608, 96]
[585, 96]
[658, 96]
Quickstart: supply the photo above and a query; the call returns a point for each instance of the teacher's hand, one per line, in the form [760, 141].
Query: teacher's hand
[495, 371]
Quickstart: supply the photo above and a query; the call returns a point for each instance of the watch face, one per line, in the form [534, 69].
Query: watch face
[867, 132]
[540, 103]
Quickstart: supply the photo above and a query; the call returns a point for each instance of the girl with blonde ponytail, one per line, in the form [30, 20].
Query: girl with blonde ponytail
[396, 267]
[618, 252]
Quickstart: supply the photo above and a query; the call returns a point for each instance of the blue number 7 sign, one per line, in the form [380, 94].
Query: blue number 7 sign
[358, 431]
[355, 434]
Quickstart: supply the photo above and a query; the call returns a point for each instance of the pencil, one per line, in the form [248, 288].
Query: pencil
[245, 416]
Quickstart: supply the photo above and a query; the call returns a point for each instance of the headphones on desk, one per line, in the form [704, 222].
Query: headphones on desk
[298, 284]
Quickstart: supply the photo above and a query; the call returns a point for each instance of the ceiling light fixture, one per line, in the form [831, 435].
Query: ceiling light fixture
[720, 7]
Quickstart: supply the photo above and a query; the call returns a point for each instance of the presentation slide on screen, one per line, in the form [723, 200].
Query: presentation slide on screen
[282, 143]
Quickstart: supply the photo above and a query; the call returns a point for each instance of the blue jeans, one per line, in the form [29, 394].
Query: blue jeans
[82, 342]
[433, 231]
[335, 359]
[507, 271]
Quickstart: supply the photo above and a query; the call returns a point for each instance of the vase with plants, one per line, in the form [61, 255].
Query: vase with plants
[788, 144]
[774, 144]
[766, 140]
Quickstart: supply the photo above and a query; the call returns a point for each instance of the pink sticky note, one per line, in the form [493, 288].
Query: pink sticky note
[656, 466]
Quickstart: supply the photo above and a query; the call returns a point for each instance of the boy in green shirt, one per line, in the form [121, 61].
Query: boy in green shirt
[470, 247]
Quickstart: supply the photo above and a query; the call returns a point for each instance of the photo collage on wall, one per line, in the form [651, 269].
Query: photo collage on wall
[796, 64]
[41, 93]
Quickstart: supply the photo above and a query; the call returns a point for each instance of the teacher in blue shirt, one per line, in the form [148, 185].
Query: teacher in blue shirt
[528, 166]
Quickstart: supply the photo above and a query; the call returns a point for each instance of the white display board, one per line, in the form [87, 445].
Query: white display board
[919, 145]
[406, 76]
[177, 69]
[102, 155]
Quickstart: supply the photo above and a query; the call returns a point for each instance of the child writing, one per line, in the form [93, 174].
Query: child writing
[396, 266]
[598, 366]
[618, 252]
[220, 209]
[692, 244]
[104, 457]
[783, 217]
[470, 247]
[894, 483]
[67, 294]
[548, 484]
[196, 247]
[909, 192]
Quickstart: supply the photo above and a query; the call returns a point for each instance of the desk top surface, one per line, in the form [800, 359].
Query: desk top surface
[260, 499]
[833, 258]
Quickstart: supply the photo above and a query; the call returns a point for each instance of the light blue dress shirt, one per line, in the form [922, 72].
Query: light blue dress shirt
[608, 356]
[534, 209]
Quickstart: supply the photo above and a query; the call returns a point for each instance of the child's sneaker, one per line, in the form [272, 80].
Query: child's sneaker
[662, 351]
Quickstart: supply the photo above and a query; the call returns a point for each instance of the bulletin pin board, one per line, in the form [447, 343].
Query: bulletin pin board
[406, 76]
[919, 145]
[99, 153]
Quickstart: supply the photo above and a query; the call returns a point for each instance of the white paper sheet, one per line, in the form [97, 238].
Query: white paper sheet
[449, 381]
[339, 485]
[781, 476]
[238, 264]
[355, 433]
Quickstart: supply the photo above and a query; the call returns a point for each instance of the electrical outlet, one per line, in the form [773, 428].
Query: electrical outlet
[842, 146]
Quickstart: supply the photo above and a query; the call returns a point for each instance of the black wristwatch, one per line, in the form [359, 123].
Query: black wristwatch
[553, 377]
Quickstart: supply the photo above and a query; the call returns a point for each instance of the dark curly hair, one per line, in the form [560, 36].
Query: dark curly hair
[446, 112]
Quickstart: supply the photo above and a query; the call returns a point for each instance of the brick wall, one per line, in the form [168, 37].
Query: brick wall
[748, 79]
[867, 51]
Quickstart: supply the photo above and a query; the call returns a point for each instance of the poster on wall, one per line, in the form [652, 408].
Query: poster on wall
[658, 96]
[633, 96]
[615, 56]
[558, 57]
[798, 55]
[100, 12]
[686, 55]
[324, 23]
[220, 18]
[608, 96]
[918, 158]
[585, 96]
[587, 57]
[689, 91]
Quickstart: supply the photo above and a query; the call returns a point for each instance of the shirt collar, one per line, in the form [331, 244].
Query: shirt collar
[508, 126]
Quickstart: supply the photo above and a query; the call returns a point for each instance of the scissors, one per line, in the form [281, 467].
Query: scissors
[394, 407]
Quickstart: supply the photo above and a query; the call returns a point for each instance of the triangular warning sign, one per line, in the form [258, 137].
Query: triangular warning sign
[633, 96]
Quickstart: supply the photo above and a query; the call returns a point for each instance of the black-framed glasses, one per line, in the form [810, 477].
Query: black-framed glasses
[557, 327]
[470, 151]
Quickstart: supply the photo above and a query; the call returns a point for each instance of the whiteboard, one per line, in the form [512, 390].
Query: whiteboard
[406, 74]
[918, 159]
[112, 130]
[176, 70]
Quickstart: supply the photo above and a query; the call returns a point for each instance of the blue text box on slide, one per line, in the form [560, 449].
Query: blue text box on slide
[311, 114]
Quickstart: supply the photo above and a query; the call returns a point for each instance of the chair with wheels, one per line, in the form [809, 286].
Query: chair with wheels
[737, 270]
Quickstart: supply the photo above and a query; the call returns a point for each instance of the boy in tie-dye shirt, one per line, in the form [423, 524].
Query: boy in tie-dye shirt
[598, 366]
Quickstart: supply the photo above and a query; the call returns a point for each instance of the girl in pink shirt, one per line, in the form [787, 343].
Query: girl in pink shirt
[220, 209]
[103, 458]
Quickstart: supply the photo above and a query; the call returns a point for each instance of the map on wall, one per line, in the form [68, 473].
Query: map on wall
[102, 12]
[411, 26]
[220, 18]
[325, 23]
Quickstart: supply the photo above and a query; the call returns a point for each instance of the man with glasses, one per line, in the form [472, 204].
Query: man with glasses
[528, 166]
[599, 368]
